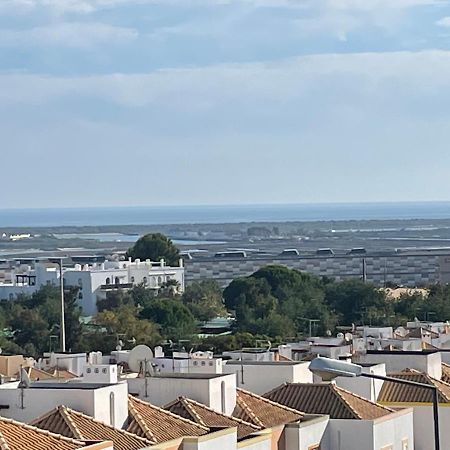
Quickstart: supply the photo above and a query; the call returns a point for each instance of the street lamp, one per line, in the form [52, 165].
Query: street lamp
[328, 369]
[59, 262]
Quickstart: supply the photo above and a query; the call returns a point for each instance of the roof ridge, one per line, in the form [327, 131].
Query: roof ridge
[164, 411]
[192, 411]
[41, 431]
[267, 400]
[85, 416]
[360, 397]
[141, 422]
[63, 410]
[201, 405]
[243, 404]
[3, 444]
[335, 391]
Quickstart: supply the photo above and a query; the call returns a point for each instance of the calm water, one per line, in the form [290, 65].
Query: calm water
[221, 214]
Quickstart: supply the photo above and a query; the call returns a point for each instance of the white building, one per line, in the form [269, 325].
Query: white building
[217, 391]
[94, 280]
[355, 423]
[427, 361]
[105, 402]
[262, 376]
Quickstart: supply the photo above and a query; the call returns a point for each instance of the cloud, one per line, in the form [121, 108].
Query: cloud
[444, 22]
[189, 89]
[71, 34]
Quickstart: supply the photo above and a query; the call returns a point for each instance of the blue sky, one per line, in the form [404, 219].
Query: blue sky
[170, 102]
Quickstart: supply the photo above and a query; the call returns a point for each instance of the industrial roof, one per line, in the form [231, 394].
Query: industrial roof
[263, 412]
[157, 424]
[73, 424]
[201, 414]
[327, 398]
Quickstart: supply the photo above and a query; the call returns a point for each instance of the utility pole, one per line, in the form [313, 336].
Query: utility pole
[59, 262]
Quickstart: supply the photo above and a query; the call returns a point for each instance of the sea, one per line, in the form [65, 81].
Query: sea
[162, 215]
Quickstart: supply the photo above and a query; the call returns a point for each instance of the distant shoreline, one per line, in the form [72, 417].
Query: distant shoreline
[222, 214]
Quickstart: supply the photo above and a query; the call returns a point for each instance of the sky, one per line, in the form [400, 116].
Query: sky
[190, 102]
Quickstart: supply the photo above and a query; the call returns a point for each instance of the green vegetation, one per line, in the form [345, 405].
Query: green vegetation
[275, 303]
[155, 246]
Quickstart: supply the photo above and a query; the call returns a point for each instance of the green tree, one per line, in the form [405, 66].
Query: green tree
[357, 302]
[204, 300]
[122, 323]
[174, 318]
[155, 246]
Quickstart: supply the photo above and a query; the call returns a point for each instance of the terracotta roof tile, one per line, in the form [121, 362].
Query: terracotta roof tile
[19, 436]
[402, 393]
[159, 425]
[201, 414]
[327, 398]
[262, 411]
[445, 373]
[76, 425]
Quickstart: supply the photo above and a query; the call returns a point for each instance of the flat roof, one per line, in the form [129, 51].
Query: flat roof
[196, 376]
[402, 352]
[264, 363]
[43, 384]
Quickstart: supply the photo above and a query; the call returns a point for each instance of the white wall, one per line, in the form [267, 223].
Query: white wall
[303, 435]
[261, 377]
[349, 434]
[424, 427]
[429, 363]
[397, 430]
[38, 401]
[220, 440]
[219, 393]
[365, 387]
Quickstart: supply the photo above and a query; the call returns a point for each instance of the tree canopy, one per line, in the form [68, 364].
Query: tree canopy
[155, 246]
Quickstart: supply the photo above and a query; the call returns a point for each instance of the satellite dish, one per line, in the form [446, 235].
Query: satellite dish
[340, 336]
[138, 357]
[348, 337]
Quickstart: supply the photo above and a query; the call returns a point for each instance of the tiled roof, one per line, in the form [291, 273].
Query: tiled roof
[445, 373]
[327, 398]
[76, 425]
[159, 425]
[403, 393]
[263, 412]
[61, 373]
[201, 414]
[19, 436]
[35, 374]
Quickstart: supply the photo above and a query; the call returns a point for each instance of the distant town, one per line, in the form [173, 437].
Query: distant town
[253, 338]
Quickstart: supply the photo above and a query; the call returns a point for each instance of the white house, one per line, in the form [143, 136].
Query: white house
[427, 361]
[261, 376]
[355, 423]
[396, 395]
[217, 391]
[94, 280]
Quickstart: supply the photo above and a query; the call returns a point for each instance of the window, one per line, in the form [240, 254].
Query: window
[203, 363]
[96, 370]
[88, 370]
[80, 295]
[104, 370]
[132, 279]
[195, 363]
[108, 281]
[145, 280]
[80, 282]
[210, 363]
